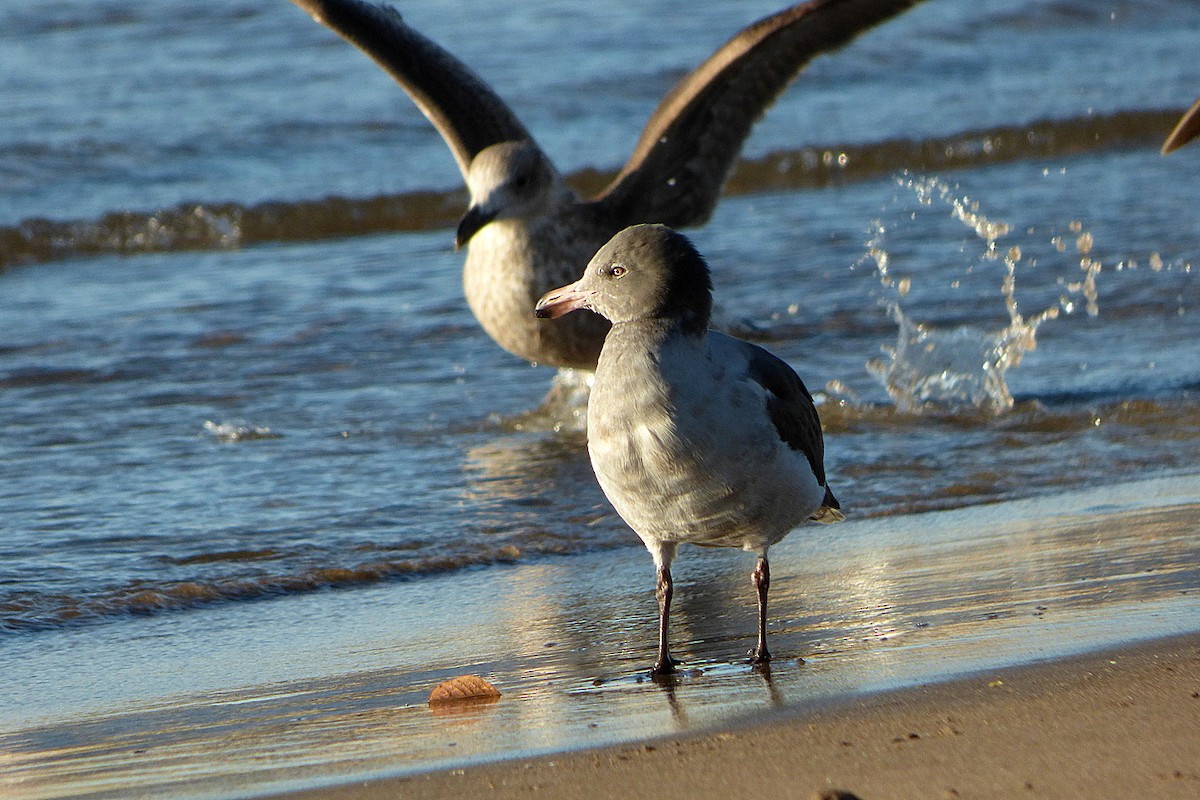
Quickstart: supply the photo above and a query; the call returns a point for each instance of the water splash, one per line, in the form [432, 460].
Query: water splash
[562, 410]
[231, 432]
[966, 366]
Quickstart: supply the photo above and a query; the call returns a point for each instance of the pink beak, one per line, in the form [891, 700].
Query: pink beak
[557, 302]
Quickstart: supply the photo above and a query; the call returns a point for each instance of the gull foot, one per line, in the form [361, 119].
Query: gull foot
[665, 666]
[760, 656]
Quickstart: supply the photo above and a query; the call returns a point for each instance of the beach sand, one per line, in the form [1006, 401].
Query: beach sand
[1120, 724]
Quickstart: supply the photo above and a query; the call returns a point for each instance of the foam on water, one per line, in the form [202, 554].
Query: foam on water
[238, 431]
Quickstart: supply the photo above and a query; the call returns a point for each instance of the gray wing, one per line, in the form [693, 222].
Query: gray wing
[1186, 129]
[464, 109]
[693, 138]
[790, 407]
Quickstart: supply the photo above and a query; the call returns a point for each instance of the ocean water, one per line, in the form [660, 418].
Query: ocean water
[235, 362]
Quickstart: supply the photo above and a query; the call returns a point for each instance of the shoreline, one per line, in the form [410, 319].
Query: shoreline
[1116, 723]
[330, 689]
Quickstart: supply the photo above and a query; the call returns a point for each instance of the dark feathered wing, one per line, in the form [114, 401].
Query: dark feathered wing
[791, 409]
[693, 138]
[464, 109]
[1186, 129]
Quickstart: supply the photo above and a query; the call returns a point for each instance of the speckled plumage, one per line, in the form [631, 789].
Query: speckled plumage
[509, 265]
[525, 230]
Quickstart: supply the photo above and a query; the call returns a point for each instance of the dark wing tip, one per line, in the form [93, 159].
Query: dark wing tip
[692, 140]
[790, 407]
[467, 112]
[1186, 129]
[830, 501]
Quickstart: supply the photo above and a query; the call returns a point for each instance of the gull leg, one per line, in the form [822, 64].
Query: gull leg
[762, 582]
[664, 665]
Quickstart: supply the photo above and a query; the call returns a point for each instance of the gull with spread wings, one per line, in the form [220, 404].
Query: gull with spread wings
[526, 231]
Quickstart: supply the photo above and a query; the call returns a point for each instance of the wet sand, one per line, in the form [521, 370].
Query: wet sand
[1123, 723]
[329, 689]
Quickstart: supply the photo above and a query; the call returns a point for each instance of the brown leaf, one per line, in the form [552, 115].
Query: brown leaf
[462, 688]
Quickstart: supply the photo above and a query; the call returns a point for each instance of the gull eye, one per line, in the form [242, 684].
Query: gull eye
[617, 271]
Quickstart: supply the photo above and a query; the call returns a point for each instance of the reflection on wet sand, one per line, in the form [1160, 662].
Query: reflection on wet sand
[872, 605]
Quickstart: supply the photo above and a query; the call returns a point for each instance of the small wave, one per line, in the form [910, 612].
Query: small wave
[1066, 414]
[218, 226]
[234, 556]
[28, 612]
[26, 378]
[938, 477]
[224, 226]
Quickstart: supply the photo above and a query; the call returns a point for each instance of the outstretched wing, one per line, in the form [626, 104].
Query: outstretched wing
[464, 109]
[693, 138]
[1186, 129]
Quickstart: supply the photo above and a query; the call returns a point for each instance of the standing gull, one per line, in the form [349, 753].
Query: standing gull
[695, 436]
[525, 230]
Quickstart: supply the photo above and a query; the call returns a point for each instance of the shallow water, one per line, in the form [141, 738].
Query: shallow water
[220, 386]
[865, 607]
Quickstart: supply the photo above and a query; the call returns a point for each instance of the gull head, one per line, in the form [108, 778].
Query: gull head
[644, 272]
[508, 180]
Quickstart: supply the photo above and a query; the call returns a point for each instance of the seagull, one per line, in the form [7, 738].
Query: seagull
[694, 436]
[526, 230]
[1186, 129]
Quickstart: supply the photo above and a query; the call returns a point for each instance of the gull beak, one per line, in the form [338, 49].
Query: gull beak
[557, 302]
[475, 218]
